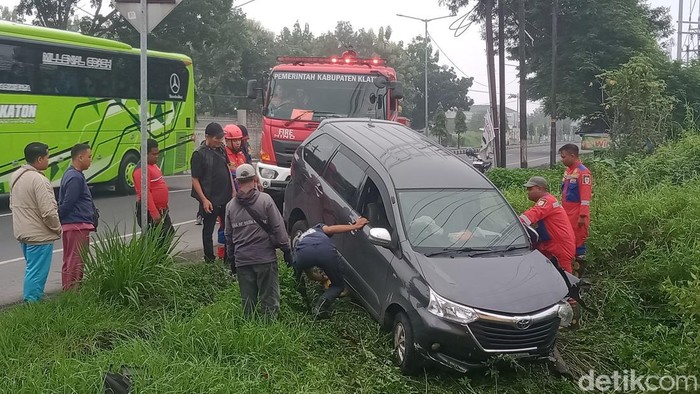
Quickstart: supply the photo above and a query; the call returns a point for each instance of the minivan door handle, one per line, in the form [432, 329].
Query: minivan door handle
[318, 189]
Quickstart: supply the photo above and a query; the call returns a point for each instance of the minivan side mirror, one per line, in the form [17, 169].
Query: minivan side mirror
[533, 234]
[252, 91]
[380, 237]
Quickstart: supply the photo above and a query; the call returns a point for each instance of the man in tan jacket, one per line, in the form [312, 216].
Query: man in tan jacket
[34, 218]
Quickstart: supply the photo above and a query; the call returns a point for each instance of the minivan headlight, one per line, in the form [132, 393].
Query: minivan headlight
[566, 313]
[449, 310]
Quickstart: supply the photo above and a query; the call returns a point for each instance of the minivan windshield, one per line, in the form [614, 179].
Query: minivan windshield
[459, 219]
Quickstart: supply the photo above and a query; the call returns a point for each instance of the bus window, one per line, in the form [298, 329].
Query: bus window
[15, 69]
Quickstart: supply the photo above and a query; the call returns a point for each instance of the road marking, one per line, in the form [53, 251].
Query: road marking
[18, 259]
[171, 191]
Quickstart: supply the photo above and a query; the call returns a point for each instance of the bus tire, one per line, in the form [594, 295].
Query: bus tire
[125, 180]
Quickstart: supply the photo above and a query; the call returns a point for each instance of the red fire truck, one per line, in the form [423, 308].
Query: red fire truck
[300, 92]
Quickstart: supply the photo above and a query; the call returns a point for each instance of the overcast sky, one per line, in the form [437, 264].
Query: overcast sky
[466, 51]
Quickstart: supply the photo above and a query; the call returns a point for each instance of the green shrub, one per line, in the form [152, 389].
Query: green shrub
[505, 178]
[131, 270]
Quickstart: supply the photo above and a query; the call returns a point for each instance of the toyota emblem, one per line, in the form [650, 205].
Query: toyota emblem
[523, 324]
[174, 83]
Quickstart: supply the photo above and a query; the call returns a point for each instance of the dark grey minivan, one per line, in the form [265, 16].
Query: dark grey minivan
[445, 263]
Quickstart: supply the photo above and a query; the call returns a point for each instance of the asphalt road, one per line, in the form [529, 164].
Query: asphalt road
[118, 210]
[114, 210]
[537, 155]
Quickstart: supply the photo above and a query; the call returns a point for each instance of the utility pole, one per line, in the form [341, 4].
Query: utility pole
[502, 81]
[144, 16]
[425, 41]
[679, 44]
[491, 70]
[523, 87]
[553, 135]
[143, 33]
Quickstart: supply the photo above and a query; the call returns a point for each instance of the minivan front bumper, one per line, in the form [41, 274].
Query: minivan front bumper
[466, 347]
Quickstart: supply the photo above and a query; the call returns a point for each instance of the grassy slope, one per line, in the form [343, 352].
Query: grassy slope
[644, 249]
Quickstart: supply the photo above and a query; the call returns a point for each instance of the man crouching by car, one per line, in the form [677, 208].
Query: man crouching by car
[254, 229]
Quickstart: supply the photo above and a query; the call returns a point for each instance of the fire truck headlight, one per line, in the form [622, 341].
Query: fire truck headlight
[268, 173]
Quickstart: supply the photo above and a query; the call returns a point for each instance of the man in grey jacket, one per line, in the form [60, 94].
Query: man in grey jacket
[34, 218]
[254, 229]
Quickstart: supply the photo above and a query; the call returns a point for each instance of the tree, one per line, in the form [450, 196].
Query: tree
[226, 48]
[8, 14]
[636, 107]
[49, 13]
[460, 125]
[593, 36]
[444, 86]
[439, 128]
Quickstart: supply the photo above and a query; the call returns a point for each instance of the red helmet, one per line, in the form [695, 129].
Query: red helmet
[233, 132]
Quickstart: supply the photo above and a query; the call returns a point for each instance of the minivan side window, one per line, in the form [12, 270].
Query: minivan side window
[344, 176]
[318, 151]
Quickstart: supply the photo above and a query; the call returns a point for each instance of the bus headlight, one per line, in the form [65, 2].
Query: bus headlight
[449, 310]
[268, 173]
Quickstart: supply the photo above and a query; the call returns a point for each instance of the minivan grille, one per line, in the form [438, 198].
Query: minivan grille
[284, 151]
[504, 337]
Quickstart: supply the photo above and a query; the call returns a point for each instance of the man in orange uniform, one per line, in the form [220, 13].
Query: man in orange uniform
[157, 192]
[552, 224]
[576, 191]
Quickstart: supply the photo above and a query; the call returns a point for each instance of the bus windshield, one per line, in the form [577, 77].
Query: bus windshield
[316, 96]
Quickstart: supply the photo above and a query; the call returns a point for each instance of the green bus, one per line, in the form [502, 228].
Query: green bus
[64, 88]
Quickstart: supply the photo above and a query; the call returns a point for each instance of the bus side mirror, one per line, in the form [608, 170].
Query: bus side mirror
[252, 91]
[396, 90]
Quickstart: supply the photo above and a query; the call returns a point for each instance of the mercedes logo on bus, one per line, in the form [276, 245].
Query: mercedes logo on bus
[174, 83]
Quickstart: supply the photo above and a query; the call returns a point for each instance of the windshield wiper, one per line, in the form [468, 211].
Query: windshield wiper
[458, 250]
[474, 251]
[326, 113]
[501, 250]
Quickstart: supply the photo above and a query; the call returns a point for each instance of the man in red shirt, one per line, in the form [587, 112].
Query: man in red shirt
[576, 191]
[552, 224]
[157, 192]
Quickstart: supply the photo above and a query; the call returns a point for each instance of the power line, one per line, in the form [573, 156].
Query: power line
[453, 63]
[460, 70]
[247, 2]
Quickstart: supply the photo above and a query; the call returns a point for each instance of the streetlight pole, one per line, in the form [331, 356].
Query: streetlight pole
[425, 41]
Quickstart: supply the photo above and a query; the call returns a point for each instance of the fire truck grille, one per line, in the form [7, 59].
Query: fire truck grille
[284, 151]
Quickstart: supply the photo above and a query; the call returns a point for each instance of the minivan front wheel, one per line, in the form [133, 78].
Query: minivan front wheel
[405, 354]
[298, 228]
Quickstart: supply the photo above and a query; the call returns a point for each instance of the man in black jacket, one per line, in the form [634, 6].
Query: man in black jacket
[212, 185]
[254, 229]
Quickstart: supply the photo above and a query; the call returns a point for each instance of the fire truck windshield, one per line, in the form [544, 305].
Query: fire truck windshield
[316, 96]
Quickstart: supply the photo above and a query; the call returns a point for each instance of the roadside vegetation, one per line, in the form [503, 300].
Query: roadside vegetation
[179, 326]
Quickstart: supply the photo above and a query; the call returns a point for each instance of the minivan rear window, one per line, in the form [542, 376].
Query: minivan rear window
[459, 218]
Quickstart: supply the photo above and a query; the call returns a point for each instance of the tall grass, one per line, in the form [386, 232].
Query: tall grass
[131, 270]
